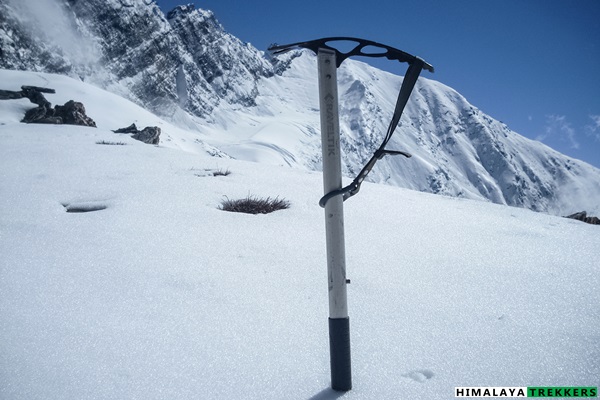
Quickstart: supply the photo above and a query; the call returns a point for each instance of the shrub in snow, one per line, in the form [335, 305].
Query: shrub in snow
[111, 143]
[220, 172]
[211, 172]
[254, 205]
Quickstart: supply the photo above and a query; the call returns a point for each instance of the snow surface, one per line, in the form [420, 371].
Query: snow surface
[160, 295]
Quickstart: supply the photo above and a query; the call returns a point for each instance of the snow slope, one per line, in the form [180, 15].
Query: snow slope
[160, 295]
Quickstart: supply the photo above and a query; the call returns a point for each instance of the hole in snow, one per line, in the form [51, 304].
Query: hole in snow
[86, 206]
[420, 375]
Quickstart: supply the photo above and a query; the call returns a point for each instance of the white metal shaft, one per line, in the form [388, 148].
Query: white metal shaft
[332, 180]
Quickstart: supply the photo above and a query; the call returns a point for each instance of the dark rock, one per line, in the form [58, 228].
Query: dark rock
[33, 93]
[150, 134]
[582, 216]
[43, 111]
[10, 95]
[130, 129]
[73, 113]
[50, 120]
[34, 115]
[27, 88]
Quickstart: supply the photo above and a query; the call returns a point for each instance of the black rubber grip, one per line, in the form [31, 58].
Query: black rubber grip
[339, 351]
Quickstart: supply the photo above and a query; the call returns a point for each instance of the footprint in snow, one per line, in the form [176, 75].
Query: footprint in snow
[84, 206]
[419, 375]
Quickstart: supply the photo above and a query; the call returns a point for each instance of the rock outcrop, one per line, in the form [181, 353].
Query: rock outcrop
[71, 113]
[150, 134]
[583, 217]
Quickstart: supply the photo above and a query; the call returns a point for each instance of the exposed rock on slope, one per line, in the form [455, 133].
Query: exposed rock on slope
[71, 113]
[150, 134]
[583, 217]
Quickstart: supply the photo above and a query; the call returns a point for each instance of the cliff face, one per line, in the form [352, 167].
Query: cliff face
[231, 67]
[141, 52]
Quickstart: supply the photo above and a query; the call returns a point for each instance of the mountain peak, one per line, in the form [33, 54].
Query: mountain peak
[187, 10]
[180, 10]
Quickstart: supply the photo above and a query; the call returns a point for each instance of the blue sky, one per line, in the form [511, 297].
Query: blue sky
[532, 64]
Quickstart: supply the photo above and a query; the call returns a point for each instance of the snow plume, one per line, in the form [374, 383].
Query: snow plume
[558, 126]
[50, 21]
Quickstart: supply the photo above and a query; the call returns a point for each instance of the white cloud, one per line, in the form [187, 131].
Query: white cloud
[593, 129]
[558, 126]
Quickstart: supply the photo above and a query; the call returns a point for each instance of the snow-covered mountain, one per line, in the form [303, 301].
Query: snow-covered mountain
[187, 68]
[131, 48]
[457, 149]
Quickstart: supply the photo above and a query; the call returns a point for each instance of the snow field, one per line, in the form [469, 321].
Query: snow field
[162, 295]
